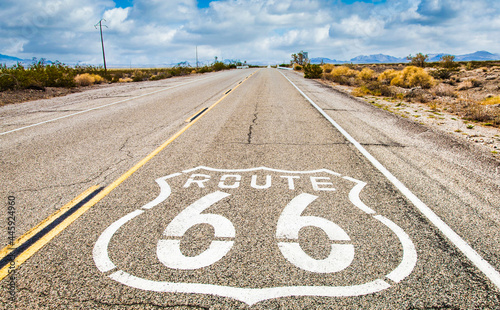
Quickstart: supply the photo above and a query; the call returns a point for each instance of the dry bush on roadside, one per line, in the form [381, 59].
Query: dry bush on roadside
[472, 83]
[327, 68]
[125, 80]
[342, 75]
[344, 71]
[84, 79]
[387, 76]
[361, 91]
[412, 76]
[444, 90]
[140, 75]
[366, 74]
[97, 78]
[374, 88]
[491, 100]
[476, 111]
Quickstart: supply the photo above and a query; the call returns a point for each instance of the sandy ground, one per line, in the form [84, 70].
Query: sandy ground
[485, 137]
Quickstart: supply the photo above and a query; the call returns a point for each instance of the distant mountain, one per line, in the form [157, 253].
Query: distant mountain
[9, 59]
[362, 59]
[481, 55]
[319, 60]
[381, 58]
[378, 58]
[436, 57]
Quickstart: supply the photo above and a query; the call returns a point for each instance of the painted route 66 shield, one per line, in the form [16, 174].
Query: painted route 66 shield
[256, 234]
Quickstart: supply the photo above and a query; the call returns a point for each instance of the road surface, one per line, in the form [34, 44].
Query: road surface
[241, 189]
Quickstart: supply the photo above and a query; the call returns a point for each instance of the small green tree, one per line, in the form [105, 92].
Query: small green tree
[419, 60]
[448, 61]
[312, 71]
[299, 58]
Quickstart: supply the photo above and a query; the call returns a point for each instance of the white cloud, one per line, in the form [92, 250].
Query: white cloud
[116, 19]
[157, 31]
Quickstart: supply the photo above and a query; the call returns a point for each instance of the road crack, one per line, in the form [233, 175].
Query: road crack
[254, 122]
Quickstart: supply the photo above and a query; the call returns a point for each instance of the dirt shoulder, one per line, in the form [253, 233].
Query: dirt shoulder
[485, 137]
[24, 95]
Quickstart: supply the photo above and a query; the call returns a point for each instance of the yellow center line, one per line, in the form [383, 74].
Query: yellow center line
[127, 174]
[22, 257]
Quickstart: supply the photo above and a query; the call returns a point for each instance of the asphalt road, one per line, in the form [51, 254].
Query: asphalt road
[269, 199]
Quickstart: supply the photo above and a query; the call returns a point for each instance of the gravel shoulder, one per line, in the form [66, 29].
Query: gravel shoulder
[486, 138]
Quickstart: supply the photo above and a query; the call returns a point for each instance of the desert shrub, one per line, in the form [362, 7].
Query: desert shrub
[327, 68]
[387, 91]
[84, 79]
[312, 71]
[342, 75]
[140, 75]
[478, 112]
[442, 74]
[161, 76]
[418, 60]
[297, 67]
[374, 88]
[387, 76]
[8, 80]
[468, 84]
[204, 69]
[97, 78]
[412, 76]
[59, 75]
[218, 66]
[343, 71]
[491, 100]
[444, 90]
[361, 91]
[125, 80]
[448, 61]
[366, 74]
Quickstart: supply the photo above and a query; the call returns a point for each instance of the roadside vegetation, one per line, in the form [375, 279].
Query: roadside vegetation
[40, 75]
[470, 90]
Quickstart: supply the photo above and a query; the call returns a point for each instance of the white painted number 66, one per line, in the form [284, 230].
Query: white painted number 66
[288, 227]
[168, 251]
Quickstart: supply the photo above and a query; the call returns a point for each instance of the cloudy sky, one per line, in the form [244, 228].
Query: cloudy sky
[168, 31]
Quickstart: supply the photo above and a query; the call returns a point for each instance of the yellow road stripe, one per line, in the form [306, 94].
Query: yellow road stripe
[127, 174]
[40, 243]
[21, 258]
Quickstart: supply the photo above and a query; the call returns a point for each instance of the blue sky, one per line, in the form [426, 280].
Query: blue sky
[265, 31]
[124, 3]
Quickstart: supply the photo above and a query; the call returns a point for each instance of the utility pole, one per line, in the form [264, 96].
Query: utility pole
[196, 56]
[102, 43]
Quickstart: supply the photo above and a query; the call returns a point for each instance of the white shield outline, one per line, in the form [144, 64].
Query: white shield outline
[251, 296]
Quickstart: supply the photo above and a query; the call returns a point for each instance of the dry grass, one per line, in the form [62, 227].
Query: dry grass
[342, 75]
[387, 76]
[412, 76]
[462, 93]
[344, 71]
[491, 100]
[443, 90]
[366, 74]
[85, 79]
[327, 68]
[125, 80]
